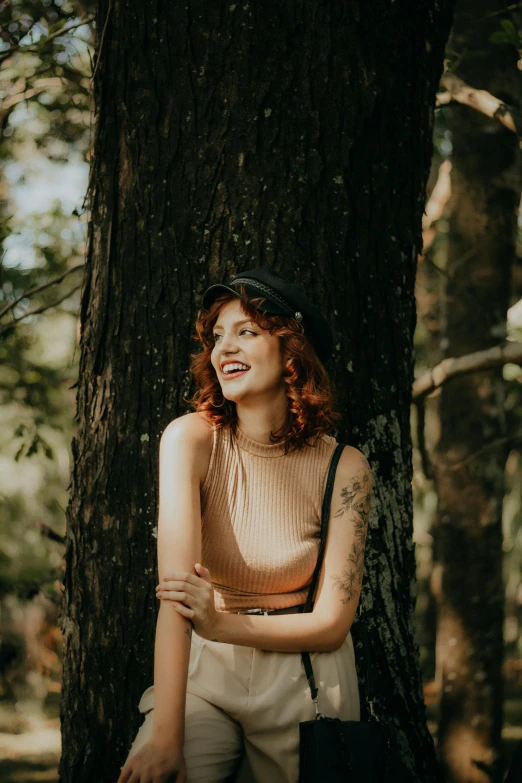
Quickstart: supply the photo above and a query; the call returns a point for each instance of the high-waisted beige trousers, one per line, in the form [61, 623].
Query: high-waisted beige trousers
[244, 706]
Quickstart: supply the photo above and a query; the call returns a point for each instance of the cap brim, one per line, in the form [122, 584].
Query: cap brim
[214, 291]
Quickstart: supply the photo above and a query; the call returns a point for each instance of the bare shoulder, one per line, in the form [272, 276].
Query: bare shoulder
[354, 470]
[352, 457]
[191, 425]
[192, 433]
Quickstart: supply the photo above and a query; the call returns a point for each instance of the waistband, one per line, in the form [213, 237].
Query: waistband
[287, 610]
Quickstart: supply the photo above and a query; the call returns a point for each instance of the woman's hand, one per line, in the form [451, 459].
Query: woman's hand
[193, 597]
[155, 763]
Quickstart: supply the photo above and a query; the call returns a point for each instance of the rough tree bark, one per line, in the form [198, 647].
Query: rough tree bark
[294, 134]
[485, 193]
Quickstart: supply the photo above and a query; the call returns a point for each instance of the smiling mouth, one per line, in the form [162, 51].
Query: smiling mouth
[234, 373]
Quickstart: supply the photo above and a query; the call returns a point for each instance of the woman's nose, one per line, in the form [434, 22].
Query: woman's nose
[228, 343]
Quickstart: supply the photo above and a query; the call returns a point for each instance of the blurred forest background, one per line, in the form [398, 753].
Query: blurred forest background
[46, 135]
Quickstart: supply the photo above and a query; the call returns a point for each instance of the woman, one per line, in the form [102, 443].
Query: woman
[241, 487]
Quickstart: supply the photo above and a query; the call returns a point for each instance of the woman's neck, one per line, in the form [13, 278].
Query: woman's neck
[258, 426]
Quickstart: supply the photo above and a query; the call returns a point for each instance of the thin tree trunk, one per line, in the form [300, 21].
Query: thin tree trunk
[427, 354]
[229, 136]
[485, 192]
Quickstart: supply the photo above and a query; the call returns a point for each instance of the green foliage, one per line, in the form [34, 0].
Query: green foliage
[46, 79]
[507, 35]
[33, 442]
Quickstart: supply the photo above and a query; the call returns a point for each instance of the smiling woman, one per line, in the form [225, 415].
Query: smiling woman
[241, 486]
[285, 363]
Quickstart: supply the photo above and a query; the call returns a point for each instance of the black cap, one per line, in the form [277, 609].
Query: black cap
[281, 298]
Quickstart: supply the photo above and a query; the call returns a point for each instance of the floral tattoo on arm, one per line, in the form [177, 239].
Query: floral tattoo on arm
[355, 503]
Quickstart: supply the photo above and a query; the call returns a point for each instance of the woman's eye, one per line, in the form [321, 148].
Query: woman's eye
[241, 332]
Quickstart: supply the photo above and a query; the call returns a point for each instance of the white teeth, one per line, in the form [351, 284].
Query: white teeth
[231, 367]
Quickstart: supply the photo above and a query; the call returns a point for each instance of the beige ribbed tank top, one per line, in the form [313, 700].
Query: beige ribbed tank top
[261, 518]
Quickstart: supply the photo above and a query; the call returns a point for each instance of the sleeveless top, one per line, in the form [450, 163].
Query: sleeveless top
[261, 519]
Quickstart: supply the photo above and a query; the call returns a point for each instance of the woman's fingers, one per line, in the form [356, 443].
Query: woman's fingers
[181, 576]
[178, 587]
[203, 572]
[174, 584]
[184, 610]
[176, 595]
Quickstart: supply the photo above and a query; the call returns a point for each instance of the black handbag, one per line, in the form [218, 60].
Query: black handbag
[337, 750]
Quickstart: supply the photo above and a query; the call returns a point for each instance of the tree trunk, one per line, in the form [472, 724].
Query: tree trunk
[228, 136]
[485, 192]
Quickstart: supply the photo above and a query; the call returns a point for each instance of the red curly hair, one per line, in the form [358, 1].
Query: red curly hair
[308, 388]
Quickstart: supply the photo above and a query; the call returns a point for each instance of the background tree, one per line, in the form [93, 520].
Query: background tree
[485, 193]
[226, 138]
[468, 278]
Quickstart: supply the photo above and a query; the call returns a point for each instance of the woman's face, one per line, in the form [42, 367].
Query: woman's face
[237, 339]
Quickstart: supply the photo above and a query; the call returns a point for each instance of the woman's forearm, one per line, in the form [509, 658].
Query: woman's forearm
[171, 661]
[281, 632]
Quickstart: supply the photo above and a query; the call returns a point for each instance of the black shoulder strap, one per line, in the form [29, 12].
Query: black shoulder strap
[325, 516]
[309, 604]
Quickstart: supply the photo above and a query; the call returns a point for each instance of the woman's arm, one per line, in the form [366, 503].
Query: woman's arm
[339, 587]
[281, 633]
[181, 462]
